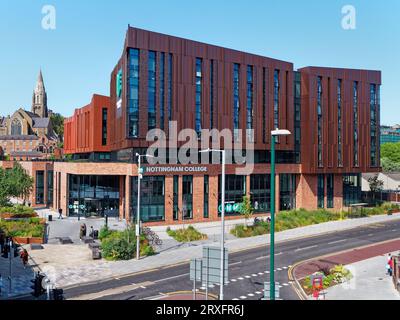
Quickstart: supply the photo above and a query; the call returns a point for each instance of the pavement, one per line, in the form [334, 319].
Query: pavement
[369, 282]
[69, 265]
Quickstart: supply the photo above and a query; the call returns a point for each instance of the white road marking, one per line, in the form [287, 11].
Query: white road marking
[235, 263]
[250, 294]
[262, 258]
[260, 273]
[258, 292]
[174, 277]
[233, 280]
[279, 269]
[266, 271]
[240, 278]
[235, 299]
[337, 241]
[253, 275]
[394, 230]
[285, 284]
[369, 235]
[247, 277]
[242, 297]
[306, 248]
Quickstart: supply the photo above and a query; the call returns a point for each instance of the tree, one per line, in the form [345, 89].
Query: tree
[15, 182]
[246, 209]
[375, 185]
[57, 121]
[389, 165]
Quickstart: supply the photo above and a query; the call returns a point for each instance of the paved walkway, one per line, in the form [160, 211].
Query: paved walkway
[70, 265]
[369, 282]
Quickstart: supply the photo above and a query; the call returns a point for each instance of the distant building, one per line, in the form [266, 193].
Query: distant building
[29, 134]
[391, 181]
[390, 134]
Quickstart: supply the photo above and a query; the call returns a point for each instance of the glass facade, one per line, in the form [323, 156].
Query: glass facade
[297, 115]
[152, 200]
[321, 191]
[104, 127]
[39, 187]
[236, 99]
[260, 192]
[151, 96]
[351, 189]
[162, 89]
[355, 124]
[97, 195]
[339, 123]
[187, 197]
[329, 190]
[235, 190]
[319, 120]
[264, 103]
[373, 126]
[249, 114]
[50, 187]
[133, 93]
[170, 74]
[206, 196]
[212, 79]
[175, 207]
[287, 191]
[276, 99]
[199, 89]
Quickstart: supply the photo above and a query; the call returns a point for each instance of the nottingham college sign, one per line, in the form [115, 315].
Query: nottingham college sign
[175, 169]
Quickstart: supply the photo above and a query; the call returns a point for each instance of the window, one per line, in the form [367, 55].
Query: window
[162, 91]
[212, 94]
[260, 188]
[355, 124]
[16, 128]
[287, 191]
[249, 118]
[329, 190]
[351, 189]
[187, 195]
[152, 201]
[206, 196]
[50, 187]
[321, 191]
[297, 115]
[236, 100]
[175, 199]
[235, 190]
[170, 74]
[199, 89]
[151, 98]
[319, 120]
[104, 127]
[39, 187]
[276, 98]
[133, 93]
[373, 126]
[265, 133]
[339, 102]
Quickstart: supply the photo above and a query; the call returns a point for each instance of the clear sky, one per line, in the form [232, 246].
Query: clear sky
[78, 56]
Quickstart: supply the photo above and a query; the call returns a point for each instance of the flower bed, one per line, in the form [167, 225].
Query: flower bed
[186, 234]
[17, 212]
[24, 231]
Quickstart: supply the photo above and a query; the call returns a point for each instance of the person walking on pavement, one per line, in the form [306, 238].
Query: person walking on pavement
[1, 285]
[24, 257]
[389, 265]
[60, 216]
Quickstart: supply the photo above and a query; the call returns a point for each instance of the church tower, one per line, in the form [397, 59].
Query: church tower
[39, 99]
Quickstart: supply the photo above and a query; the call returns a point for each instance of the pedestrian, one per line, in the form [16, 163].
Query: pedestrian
[24, 257]
[1, 285]
[1, 242]
[60, 216]
[389, 265]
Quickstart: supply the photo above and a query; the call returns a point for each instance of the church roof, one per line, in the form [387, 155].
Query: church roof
[2, 121]
[26, 154]
[41, 122]
[22, 137]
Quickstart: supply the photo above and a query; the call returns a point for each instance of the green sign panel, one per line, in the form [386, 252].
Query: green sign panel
[230, 207]
[119, 83]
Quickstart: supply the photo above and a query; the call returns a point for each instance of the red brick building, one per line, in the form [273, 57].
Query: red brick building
[333, 115]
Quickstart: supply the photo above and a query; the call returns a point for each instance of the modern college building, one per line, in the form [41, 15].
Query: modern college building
[333, 115]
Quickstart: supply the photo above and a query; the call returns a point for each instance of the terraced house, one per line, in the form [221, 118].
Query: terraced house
[332, 114]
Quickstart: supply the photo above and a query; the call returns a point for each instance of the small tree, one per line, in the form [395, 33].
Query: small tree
[20, 182]
[375, 185]
[246, 209]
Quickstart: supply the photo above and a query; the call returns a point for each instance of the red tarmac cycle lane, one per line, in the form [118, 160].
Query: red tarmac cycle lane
[344, 258]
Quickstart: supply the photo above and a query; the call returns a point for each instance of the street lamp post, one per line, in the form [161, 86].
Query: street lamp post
[222, 267]
[140, 176]
[274, 134]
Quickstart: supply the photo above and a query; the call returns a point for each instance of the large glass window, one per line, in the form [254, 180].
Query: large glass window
[152, 201]
[236, 99]
[104, 127]
[351, 189]
[355, 124]
[297, 115]
[175, 199]
[373, 125]
[265, 133]
[321, 191]
[287, 190]
[39, 187]
[206, 196]
[260, 192]
[170, 74]
[329, 190]
[276, 98]
[212, 94]
[199, 89]
[319, 124]
[249, 114]
[133, 93]
[151, 97]
[187, 195]
[16, 128]
[339, 123]
[235, 190]
[162, 91]
[50, 187]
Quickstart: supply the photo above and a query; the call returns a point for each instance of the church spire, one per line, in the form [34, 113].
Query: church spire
[39, 99]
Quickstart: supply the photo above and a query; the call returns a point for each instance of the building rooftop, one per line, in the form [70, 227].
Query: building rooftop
[27, 137]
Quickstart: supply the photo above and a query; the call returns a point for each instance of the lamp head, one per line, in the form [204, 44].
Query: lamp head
[280, 132]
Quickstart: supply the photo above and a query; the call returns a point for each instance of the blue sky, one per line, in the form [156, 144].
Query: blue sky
[78, 56]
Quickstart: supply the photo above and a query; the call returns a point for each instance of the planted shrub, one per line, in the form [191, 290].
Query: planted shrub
[186, 235]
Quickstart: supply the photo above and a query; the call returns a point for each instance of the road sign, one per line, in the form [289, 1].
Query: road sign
[195, 269]
[230, 207]
[211, 271]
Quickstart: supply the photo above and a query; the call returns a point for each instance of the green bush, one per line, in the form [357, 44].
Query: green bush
[18, 210]
[23, 228]
[186, 234]
[104, 232]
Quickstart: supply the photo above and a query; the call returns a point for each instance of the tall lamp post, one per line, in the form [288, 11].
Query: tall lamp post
[140, 176]
[222, 268]
[274, 134]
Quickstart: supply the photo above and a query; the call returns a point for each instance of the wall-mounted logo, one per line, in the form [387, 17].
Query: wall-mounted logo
[119, 88]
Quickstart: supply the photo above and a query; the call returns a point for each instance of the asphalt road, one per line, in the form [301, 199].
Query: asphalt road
[247, 269]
